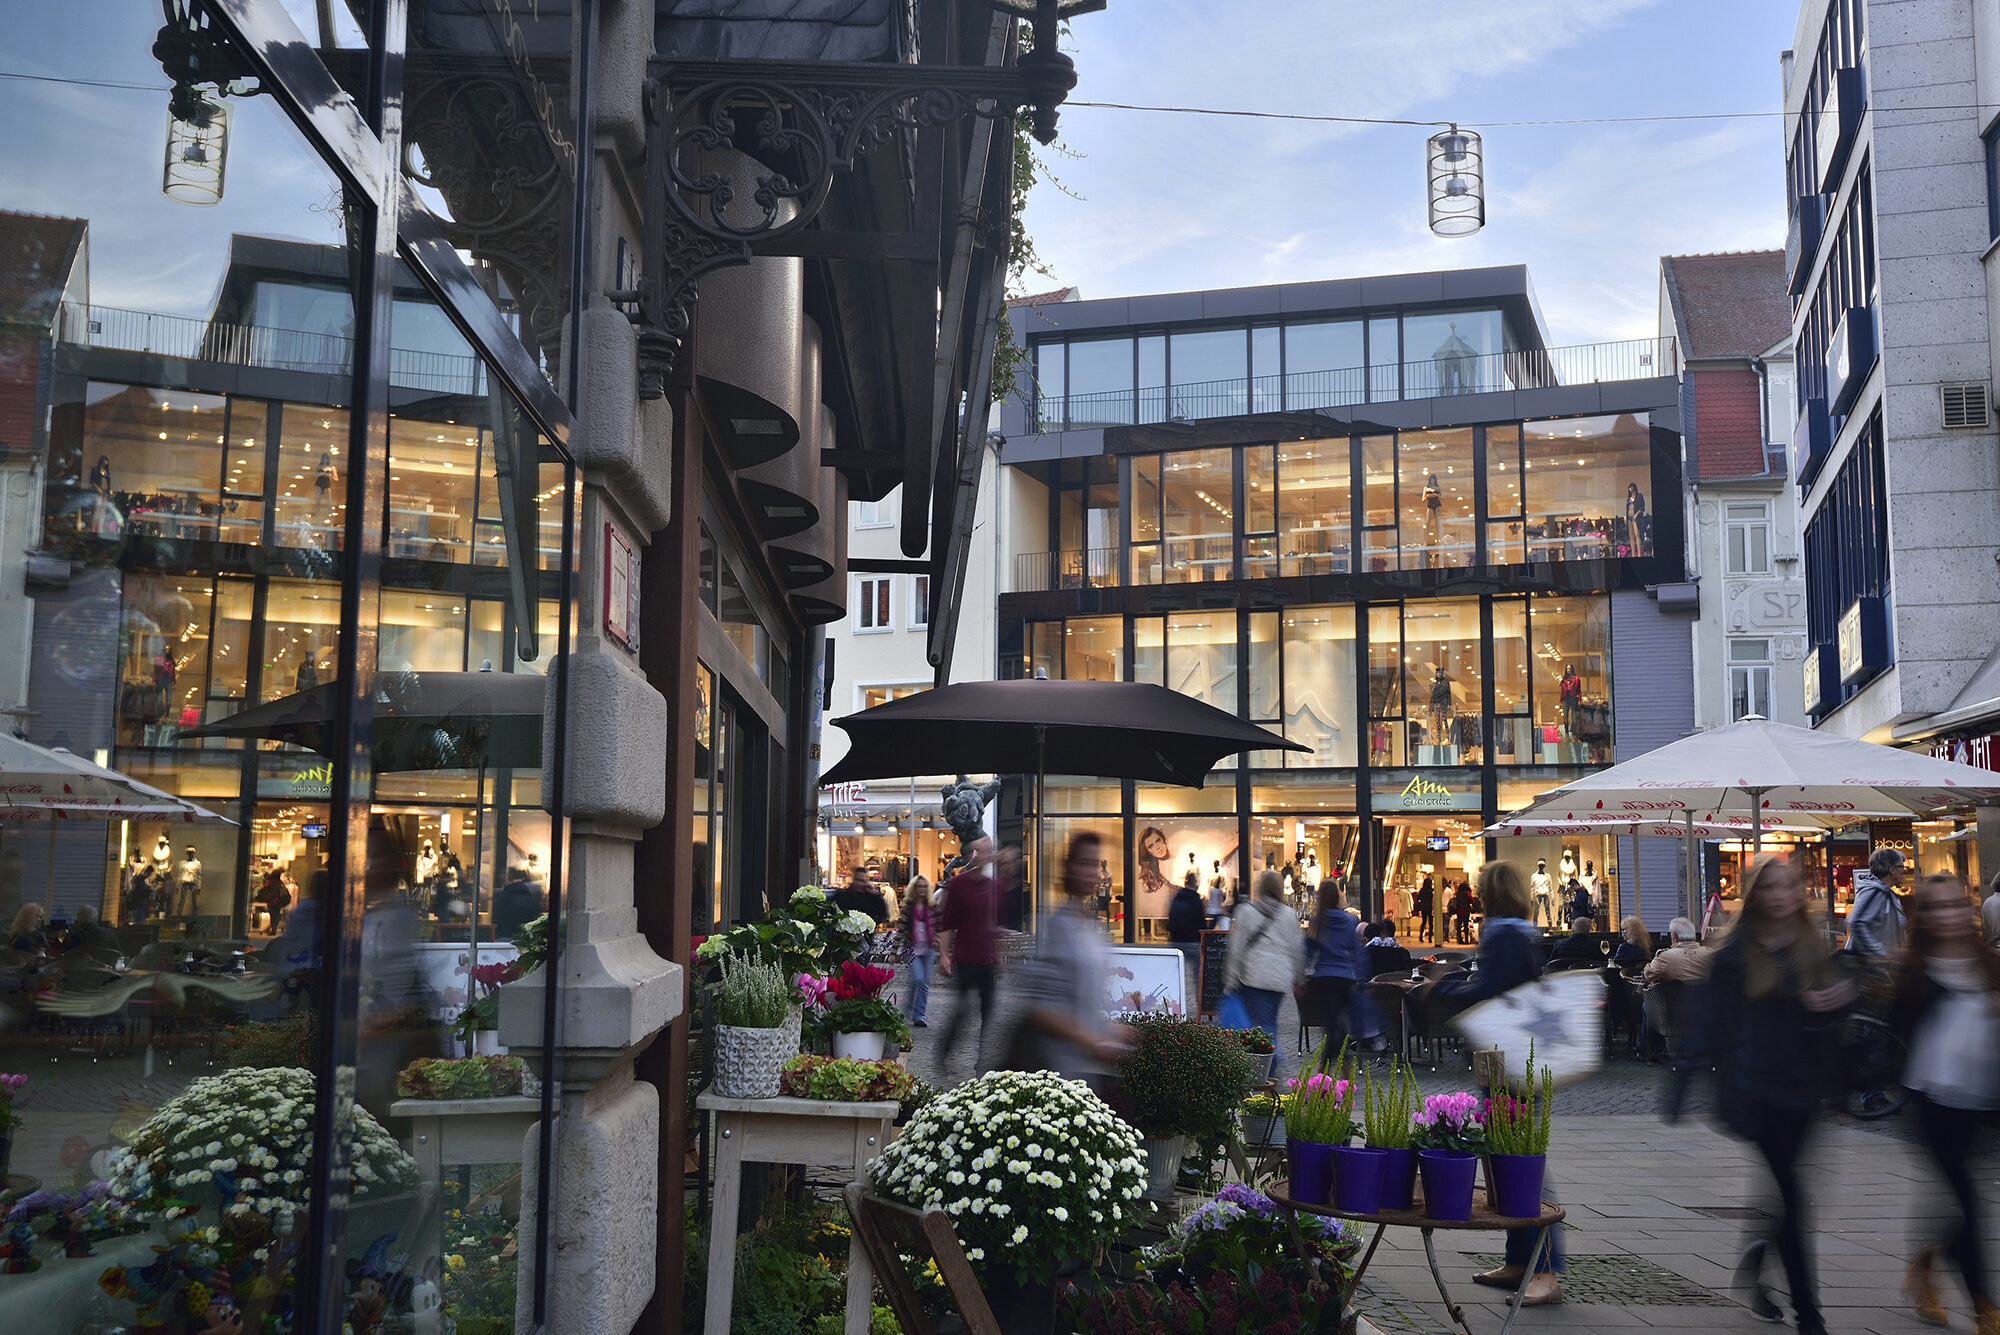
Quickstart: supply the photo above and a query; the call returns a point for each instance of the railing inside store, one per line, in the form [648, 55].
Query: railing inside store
[1092, 568]
[260, 346]
[1306, 391]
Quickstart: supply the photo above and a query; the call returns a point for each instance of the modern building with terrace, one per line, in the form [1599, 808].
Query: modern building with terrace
[1382, 517]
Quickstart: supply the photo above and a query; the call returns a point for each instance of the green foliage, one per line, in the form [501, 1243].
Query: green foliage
[810, 935]
[1263, 1105]
[1518, 1117]
[921, 1092]
[265, 1044]
[1181, 1076]
[481, 1268]
[1320, 1108]
[460, 1078]
[844, 1079]
[791, 1273]
[867, 1015]
[1387, 1106]
[751, 995]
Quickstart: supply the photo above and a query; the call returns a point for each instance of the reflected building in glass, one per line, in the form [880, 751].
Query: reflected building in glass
[1382, 518]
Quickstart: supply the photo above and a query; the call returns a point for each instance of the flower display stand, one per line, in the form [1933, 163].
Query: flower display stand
[887, 1229]
[454, 1131]
[844, 1136]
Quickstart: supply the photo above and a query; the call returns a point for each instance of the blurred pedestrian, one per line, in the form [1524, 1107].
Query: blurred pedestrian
[916, 931]
[1765, 1018]
[862, 895]
[1011, 886]
[1185, 919]
[1875, 918]
[1266, 956]
[967, 927]
[1507, 960]
[1333, 963]
[1424, 904]
[1461, 914]
[1947, 1008]
[1062, 989]
[1989, 912]
[26, 933]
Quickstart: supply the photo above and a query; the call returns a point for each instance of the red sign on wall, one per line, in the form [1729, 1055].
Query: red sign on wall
[1979, 752]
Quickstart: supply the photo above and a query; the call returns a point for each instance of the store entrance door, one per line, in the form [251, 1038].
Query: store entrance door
[742, 750]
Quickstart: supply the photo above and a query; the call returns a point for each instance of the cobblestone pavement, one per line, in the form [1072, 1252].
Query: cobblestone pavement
[1658, 1213]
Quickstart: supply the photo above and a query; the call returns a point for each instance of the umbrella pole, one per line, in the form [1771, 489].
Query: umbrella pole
[49, 893]
[1756, 820]
[1691, 890]
[1041, 816]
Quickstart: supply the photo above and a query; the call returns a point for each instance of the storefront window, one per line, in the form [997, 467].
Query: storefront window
[1198, 491]
[1315, 507]
[1094, 649]
[1506, 536]
[1201, 657]
[1387, 740]
[1571, 675]
[433, 473]
[311, 498]
[1435, 485]
[1441, 656]
[1045, 656]
[1169, 849]
[1108, 900]
[1589, 488]
[1378, 501]
[1149, 650]
[1319, 685]
[1260, 496]
[1146, 520]
[1513, 723]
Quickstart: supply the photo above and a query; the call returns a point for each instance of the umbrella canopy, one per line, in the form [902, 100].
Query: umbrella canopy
[1761, 772]
[43, 783]
[1552, 827]
[423, 720]
[1108, 729]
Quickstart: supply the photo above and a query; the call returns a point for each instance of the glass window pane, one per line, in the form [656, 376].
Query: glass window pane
[1045, 650]
[1378, 499]
[1153, 378]
[1198, 488]
[1267, 382]
[1441, 651]
[1506, 535]
[1146, 498]
[1513, 724]
[1315, 498]
[1320, 682]
[1324, 364]
[311, 501]
[1572, 679]
[1453, 352]
[1386, 739]
[422, 632]
[1589, 488]
[1749, 651]
[1201, 657]
[433, 479]
[1149, 650]
[1264, 674]
[1100, 382]
[1210, 373]
[1260, 488]
[152, 455]
[1384, 360]
[1049, 391]
[1094, 649]
[1436, 489]
[243, 472]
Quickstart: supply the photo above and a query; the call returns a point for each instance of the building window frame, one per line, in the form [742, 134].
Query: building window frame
[875, 604]
[920, 602]
[1746, 538]
[1991, 140]
[1750, 665]
[878, 513]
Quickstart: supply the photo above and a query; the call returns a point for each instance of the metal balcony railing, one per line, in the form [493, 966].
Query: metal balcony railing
[1091, 568]
[1304, 391]
[259, 346]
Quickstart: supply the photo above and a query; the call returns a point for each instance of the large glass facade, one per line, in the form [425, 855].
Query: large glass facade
[1588, 488]
[263, 581]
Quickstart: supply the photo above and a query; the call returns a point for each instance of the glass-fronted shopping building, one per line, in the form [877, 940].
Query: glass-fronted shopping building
[1382, 519]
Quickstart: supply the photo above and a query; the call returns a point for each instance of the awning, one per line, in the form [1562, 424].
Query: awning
[1976, 705]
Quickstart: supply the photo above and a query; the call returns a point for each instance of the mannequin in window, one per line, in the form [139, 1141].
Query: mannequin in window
[1567, 866]
[1589, 878]
[1635, 515]
[323, 484]
[187, 893]
[1441, 707]
[1433, 505]
[163, 863]
[100, 476]
[1539, 884]
[427, 866]
[1571, 693]
[1218, 889]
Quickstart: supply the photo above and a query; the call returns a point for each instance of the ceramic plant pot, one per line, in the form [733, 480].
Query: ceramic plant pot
[1448, 1179]
[1514, 1184]
[1399, 1179]
[1163, 1163]
[1357, 1178]
[748, 1061]
[867, 1046]
[1311, 1171]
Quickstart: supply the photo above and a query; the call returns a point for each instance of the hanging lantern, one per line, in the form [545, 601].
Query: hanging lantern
[197, 147]
[1458, 183]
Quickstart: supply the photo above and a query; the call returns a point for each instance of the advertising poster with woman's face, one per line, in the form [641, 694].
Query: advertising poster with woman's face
[1163, 855]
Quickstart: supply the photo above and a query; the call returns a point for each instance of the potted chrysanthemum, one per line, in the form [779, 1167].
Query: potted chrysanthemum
[808, 939]
[1179, 1078]
[1035, 1172]
[1263, 1119]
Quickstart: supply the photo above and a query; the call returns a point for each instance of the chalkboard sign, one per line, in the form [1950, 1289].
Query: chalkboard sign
[1214, 949]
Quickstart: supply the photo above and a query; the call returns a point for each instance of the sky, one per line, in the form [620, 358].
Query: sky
[1143, 202]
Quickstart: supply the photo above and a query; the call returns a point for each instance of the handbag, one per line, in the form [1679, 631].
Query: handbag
[1562, 1015]
[1231, 1013]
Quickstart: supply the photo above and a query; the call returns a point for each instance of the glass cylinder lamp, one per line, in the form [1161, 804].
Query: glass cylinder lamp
[197, 148]
[1457, 183]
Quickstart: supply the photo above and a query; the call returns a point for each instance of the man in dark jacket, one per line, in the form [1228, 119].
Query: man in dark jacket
[862, 895]
[1185, 917]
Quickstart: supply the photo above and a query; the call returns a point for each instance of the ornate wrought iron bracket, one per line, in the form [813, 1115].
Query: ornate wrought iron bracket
[797, 124]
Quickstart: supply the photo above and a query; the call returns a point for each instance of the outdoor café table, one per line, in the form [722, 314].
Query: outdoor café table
[1483, 1220]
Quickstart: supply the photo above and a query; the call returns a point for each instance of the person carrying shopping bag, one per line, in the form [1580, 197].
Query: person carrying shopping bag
[1946, 1008]
[1266, 959]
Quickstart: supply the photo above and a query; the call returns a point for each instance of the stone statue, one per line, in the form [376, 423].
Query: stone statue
[964, 804]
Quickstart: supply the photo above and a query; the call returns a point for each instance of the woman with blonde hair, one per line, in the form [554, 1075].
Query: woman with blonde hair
[26, 933]
[1764, 1017]
[917, 930]
[1637, 946]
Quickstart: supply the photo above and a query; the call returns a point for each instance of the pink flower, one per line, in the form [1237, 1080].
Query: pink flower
[812, 989]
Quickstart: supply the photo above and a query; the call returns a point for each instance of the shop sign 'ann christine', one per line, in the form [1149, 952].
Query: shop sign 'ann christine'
[1425, 795]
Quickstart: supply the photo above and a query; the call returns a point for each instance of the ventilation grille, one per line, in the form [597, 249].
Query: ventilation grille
[1965, 405]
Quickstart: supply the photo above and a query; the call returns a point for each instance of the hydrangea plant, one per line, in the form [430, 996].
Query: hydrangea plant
[1241, 1231]
[810, 936]
[246, 1135]
[1033, 1170]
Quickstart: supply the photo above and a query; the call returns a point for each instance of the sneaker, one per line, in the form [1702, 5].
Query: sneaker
[1749, 1283]
[920, 1024]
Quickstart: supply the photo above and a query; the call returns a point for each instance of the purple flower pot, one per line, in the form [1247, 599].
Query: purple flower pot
[1448, 1177]
[1357, 1178]
[1516, 1182]
[1311, 1171]
[1399, 1179]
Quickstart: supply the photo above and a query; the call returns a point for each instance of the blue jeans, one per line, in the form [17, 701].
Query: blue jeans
[1262, 1003]
[922, 962]
[1521, 1241]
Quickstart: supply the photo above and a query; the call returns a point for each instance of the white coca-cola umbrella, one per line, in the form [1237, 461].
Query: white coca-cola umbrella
[1768, 774]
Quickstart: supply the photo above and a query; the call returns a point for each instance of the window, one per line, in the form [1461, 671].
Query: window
[1434, 488]
[873, 606]
[1589, 486]
[1749, 679]
[1211, 372]
[879, 514]
[1748, 540]
[1992, 137]
[872, 696]
[1100, 382]
[920, 601]
[1315, 506]
[1319, 684]
[1198, 492]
